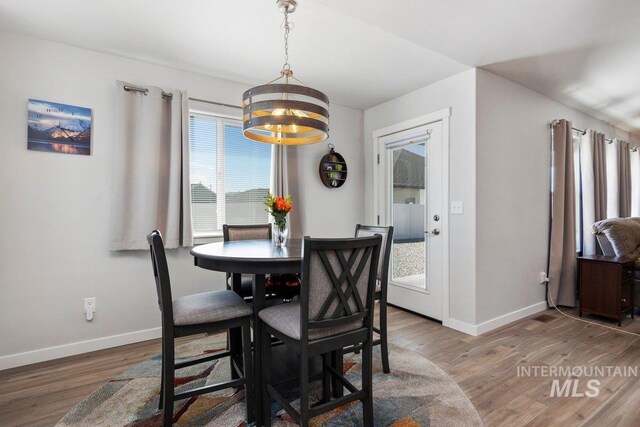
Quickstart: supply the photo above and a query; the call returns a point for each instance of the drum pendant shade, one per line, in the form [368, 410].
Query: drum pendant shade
[285, 113]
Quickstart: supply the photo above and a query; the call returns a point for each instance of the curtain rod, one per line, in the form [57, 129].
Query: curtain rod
[170, 96]
[222, 104]
[145, 91]
[584, 131]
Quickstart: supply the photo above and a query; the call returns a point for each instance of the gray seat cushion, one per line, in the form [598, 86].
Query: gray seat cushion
[286, 319]
[209, 307]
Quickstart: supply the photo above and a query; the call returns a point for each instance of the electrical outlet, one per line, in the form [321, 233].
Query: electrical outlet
[543, 278]
[89, 307]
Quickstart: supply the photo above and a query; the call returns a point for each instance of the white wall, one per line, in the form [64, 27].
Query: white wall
[512, 190]
[457, 92]
[55, 209]
[329, 212]
[499, 168]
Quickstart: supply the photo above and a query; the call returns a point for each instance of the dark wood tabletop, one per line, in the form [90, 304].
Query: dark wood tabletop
[250, 256]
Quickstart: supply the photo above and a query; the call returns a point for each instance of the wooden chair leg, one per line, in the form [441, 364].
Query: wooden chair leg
[235, 341]
[161, 384]
[338, 364]
[367, 383]
[266, 377]
[384, 345]
[326, 378]
[168, 363]
[247, 362]
[304, 388]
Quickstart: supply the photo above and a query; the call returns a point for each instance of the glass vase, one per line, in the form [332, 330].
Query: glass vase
[280, 234]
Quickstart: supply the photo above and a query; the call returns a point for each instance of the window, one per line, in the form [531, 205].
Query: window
[229, 175]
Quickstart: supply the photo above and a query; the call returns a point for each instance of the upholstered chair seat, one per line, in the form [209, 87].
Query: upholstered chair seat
[286, 319]
[209, 307]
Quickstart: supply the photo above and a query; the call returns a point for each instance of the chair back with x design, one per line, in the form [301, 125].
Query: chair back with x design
[338, 283]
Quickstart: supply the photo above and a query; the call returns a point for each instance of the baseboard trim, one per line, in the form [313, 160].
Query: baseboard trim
[505, 319]
[71, 349]
[497, 322]
[461, 326]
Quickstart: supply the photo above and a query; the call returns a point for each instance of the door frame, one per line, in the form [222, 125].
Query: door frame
[379, 212]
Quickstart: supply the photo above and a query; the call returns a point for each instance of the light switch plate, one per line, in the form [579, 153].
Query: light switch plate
[457, 207]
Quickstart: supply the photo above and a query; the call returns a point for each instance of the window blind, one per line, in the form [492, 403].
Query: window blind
[229, 175]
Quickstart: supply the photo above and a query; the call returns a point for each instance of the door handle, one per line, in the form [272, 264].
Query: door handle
[435, 232]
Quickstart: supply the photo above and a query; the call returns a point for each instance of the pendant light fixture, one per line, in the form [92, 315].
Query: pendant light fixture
[283, 113]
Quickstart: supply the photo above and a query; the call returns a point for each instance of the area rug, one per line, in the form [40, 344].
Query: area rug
[415, 393]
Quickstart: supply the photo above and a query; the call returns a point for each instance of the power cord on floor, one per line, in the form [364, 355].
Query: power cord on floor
[553, 304]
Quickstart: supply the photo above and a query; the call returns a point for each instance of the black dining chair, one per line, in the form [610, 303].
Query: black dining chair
[335, 311]
[207, 312]
[285, 286]
[243, 283]
[382, 284]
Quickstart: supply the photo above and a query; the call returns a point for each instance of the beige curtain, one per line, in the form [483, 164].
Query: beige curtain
[279, 185]
[624, 178]
[635, 182]
[279, 182]
[151, 187]
[593, 181]
[562, 251]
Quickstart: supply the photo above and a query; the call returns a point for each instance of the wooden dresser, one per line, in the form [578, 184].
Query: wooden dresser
[606, 286]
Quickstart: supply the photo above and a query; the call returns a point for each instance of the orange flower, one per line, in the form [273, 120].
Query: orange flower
[281, 204]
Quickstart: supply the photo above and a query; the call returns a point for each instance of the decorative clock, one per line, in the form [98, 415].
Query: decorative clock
[58, 128]
[333, 169]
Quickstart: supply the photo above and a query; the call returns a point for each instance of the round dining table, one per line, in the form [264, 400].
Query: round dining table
[259, 258]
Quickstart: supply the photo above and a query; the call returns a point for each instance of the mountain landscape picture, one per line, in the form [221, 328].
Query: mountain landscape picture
[58, 128]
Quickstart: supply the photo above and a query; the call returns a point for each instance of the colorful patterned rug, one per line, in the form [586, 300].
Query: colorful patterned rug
[416, 393]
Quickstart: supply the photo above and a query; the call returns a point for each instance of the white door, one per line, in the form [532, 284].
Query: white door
[411, 185]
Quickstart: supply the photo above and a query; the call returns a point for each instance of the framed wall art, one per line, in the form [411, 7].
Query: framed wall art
[58, 128]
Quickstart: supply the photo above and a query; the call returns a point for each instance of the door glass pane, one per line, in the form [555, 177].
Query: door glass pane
[408, 212]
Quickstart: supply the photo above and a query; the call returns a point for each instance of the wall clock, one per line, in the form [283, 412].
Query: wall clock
[333, 169]
[58, 128]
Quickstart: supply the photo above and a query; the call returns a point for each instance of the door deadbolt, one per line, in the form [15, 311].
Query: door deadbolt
[436, 217]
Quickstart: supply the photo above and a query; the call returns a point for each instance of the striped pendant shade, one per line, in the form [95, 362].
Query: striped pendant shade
[285, 114]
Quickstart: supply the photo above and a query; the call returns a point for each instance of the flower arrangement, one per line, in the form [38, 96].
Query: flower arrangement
[279, 207]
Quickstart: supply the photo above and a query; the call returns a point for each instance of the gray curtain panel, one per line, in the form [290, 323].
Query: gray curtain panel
[279, 185]
[562, 251]
[635, 182]
[600, 176]
[593, 181]
[151, 187]
[279, 182]
[624, 178]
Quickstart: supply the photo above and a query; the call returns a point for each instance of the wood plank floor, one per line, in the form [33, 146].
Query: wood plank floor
[485, 367]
